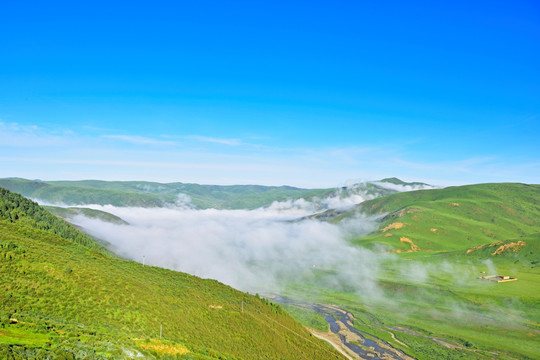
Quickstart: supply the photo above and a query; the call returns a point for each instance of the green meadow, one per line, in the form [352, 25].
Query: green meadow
[435, 245]
[62, 296]
[73, 299]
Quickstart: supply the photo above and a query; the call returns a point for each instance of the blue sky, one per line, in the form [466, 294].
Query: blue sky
[301, 93]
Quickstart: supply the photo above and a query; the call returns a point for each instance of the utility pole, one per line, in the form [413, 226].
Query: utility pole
[242, 306]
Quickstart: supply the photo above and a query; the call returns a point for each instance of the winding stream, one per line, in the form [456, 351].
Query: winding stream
[341, 323]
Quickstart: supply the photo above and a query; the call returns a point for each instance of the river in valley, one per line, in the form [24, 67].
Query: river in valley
[341, 323]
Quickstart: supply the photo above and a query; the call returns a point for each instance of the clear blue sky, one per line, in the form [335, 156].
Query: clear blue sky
[303, 93]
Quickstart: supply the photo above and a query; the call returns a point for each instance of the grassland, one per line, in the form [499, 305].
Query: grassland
[432, 246]
[435, 246]
[63, 297]
[70, 212]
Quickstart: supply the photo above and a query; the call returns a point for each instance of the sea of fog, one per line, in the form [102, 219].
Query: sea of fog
[257, 250]
[261, 250]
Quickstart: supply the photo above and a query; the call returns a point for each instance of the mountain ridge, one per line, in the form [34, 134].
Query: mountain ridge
[151, 194]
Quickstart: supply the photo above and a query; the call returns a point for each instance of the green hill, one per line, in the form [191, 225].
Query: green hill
[68, 213]
[397, 181]
[16, 209]
[63, 297]
[456, 218]
[150, 194]
[434, 246]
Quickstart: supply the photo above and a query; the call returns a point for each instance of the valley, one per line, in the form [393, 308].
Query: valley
[388, 274]
[269, 180]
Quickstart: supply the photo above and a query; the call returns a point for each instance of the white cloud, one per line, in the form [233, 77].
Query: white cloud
[32, 136]
[253, 250]
[140, 140]
[222, 141]
[132, 157]
[402, 188]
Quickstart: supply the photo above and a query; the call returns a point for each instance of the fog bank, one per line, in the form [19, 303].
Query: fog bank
[252, 250]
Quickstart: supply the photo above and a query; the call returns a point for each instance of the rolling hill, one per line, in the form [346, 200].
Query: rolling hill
[63, 296]
[151, 194]
[456, 218]
[434, 246]
[68, 213]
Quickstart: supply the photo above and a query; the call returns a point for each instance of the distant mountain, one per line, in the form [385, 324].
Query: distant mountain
[402, 186]
[397, 181]
[151, 194]
[62, 296]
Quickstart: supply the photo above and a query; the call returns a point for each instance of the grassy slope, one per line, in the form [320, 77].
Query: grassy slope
[435, 291]
[74, 300]
[140, 193]
[70, 212]
[457, 218]
[451, 302]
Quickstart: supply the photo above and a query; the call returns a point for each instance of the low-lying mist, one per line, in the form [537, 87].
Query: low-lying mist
[280, 248]
[259, 250]
[270, 249]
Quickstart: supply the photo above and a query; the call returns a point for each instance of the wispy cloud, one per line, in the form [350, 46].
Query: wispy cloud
[100, 129]
[216, 166]
[222, 141]
[32, 136]
[116, 155]
[469, 165]
[140, 140]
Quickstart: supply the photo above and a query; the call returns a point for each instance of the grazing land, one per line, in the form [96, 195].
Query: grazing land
[63, 296]
[431, 302]
[426, 300]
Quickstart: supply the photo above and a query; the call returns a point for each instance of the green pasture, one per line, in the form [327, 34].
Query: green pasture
[72, 300]
[433, 289]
